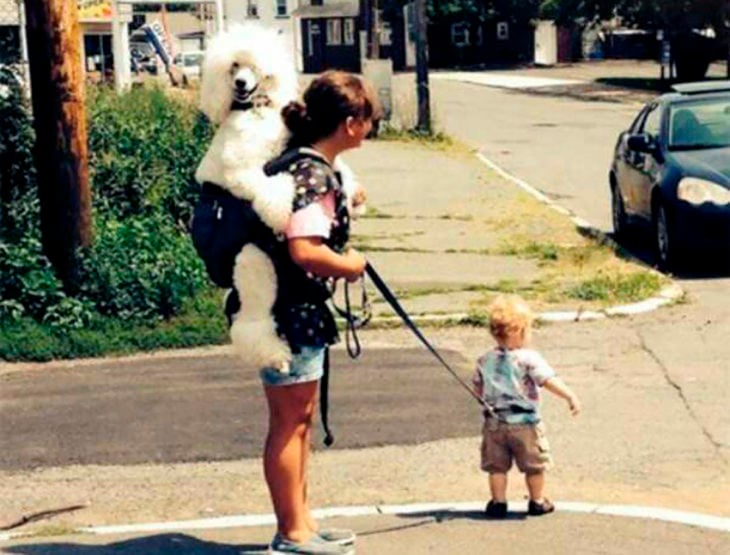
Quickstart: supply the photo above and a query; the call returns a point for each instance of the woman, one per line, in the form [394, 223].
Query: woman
[336, 115]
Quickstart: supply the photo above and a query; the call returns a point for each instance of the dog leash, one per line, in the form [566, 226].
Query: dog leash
[395, 305]
[354, 349]
[354, 323]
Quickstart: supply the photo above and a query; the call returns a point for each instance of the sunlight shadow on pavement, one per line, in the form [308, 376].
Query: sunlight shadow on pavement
[164, 544]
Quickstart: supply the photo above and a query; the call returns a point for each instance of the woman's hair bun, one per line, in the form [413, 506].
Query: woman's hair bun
[296, 118]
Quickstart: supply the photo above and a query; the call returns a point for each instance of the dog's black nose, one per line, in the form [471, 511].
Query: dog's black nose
[240, 83]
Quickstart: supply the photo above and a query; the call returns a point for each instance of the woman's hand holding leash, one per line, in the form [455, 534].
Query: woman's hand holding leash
[356, 265]
[360, 197]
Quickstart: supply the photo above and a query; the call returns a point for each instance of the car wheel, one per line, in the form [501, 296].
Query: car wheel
[667, 252]
[618, 213]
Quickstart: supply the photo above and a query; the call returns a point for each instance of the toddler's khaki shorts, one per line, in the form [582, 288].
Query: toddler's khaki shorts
[525, 443]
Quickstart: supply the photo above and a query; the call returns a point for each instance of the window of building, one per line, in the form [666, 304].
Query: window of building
[503, 30]
[334, 31]
[317, 2]
[282, 10]
[460, 34]
[349, 31]
[386, 33]
[252, 8]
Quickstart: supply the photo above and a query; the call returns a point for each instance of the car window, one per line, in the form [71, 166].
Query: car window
[653, 121]
[638, 121]
[193, 60]
[700, 124]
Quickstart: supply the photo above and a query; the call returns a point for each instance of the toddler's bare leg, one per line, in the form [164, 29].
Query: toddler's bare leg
[498, 486]
[535, 484]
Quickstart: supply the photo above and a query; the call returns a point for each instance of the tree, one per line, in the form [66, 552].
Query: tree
[61, 150]
[678, 19]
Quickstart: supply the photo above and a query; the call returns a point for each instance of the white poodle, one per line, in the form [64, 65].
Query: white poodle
[247, 78]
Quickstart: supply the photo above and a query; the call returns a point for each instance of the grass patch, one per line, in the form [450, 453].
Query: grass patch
[367, 247]
[540, 251]
[617, 288]
[458, 218]
[200, 323]
[373, 213]
[438, 140]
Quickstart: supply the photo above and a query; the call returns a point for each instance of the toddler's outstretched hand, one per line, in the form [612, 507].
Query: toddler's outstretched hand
[574, 405]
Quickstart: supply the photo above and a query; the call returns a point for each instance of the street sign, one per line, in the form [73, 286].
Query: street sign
[157, 34]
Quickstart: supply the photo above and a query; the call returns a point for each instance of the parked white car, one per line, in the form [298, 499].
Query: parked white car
[189, 64]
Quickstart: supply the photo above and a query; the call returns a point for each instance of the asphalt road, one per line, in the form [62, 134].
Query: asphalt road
[207, 409]
[563, 147]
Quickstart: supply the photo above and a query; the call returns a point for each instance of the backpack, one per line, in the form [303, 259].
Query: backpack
[223, 224]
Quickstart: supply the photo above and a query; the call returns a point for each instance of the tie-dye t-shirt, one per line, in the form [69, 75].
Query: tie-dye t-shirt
[510, 382]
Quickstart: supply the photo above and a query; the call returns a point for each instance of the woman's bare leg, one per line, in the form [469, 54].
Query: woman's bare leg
[290, 420]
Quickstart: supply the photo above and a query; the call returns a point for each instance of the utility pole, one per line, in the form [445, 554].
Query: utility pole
[374, 30]
[424, 101]
[61, 151]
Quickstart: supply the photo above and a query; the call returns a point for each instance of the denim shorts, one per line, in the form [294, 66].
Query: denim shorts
[305, 366]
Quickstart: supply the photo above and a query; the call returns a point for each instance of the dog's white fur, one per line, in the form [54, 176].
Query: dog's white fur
[243, 143]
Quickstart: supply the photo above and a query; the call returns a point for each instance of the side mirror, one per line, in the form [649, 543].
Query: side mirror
[642, 143]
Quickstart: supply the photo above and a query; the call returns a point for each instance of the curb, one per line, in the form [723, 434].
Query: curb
[687, 518]
[668, 294]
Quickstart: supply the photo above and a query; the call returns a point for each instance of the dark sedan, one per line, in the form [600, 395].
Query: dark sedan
[671, 170]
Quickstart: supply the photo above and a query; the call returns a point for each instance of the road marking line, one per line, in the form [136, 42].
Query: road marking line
[700, 520]
[631, 511]
[502, 80]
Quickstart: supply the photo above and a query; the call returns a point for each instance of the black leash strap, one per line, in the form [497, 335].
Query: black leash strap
[354, 349]
[354, 322]
[324, 386]
[393, 302]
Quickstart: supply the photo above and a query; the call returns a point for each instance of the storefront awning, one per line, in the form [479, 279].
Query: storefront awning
[95, 11]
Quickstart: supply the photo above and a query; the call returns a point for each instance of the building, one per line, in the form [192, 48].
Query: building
[327, 35]
[10, 39]
[463, 42]
[321, 34]
[273, 14]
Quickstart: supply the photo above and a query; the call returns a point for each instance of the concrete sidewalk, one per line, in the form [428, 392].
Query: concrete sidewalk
[447, 232]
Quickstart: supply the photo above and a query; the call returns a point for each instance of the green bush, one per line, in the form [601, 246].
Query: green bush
[199, 323]
[19, 205]
[144, 148]
[142, 268]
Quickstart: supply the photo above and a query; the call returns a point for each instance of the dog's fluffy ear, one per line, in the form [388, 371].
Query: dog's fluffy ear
[216, 92]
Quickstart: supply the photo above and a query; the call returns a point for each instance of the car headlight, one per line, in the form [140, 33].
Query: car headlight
[699, 191]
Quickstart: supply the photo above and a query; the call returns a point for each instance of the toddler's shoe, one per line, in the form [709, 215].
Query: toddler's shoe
[340, 536]
[495, 509]
[538, 509]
